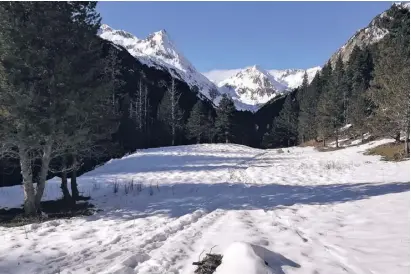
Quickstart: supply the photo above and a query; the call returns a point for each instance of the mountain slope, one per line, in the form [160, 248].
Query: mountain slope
[158, 50]
[292, 78]
[251, 87]
[374, 32]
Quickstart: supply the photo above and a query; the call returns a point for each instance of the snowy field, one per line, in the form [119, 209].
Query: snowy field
[299, 210]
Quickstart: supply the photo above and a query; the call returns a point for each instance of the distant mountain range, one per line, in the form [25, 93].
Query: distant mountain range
[250, 87]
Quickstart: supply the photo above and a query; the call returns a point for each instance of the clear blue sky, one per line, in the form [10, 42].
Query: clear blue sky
[229, 35]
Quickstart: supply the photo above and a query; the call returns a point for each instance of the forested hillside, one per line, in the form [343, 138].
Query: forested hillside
[369, 92]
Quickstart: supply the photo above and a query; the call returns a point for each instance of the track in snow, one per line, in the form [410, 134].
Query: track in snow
[312, 219]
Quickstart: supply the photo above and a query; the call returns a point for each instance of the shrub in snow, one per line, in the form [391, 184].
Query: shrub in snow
[115, 187]
[209, 264]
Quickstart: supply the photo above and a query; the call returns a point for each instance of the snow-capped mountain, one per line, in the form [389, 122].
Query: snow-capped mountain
[293, 78]
[159, 51]
[251, 87]
[369, 35]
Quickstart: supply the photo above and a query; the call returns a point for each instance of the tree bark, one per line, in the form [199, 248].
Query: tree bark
[398, 137]
[66, 194]
[74, 188]
[45, 161]
[26, 172]
[407, 137]
[336, 139]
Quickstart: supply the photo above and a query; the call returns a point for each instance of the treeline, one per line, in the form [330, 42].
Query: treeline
[370, 91]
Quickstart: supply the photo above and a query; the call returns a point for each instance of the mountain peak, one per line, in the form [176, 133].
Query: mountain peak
[157, 50]
[162, 32]
[105, 27]
[256, 67]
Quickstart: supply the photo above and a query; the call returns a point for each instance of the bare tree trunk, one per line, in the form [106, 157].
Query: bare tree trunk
[173, 135]
[323, 141]
[336, 139]
[73, 182]
[398, 137]
[407, 137]
[64, 188]
[140, 106]
[45, 161]
[362, 138]
[26, 172]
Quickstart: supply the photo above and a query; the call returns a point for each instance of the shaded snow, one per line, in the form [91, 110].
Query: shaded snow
[300, 210]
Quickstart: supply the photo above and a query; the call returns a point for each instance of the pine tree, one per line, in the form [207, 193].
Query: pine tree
[285, 125]
[304, 117]
[224, 121]
[390, 88]
[330, 106]
[359, 74]
[169, 111]
[211, 131]
[56, 84]
[197, 122]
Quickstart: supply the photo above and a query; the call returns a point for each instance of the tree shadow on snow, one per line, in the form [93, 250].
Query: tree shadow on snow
[181, 199]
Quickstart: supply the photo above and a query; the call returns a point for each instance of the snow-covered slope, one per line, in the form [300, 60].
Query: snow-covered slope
[252, 86]
[293, 78]
[371, 34]
[159, 51]
[300, 211]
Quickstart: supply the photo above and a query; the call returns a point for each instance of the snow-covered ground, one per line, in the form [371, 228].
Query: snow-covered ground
[299, 210]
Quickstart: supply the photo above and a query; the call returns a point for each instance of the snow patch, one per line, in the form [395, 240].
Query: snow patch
[245, 258]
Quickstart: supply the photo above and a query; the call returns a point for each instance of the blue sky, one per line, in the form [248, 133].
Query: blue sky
[230, 35]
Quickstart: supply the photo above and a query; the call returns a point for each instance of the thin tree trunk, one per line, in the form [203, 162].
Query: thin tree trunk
[41, 184]
[398, 137]
[64, 188]
[73, 183]
[28, 188]
[173, 133]
[323, 141]
[226, 137]
[407, 144]
[336, 140]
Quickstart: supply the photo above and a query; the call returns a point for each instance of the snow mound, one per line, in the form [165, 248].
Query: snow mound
[245, 258]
